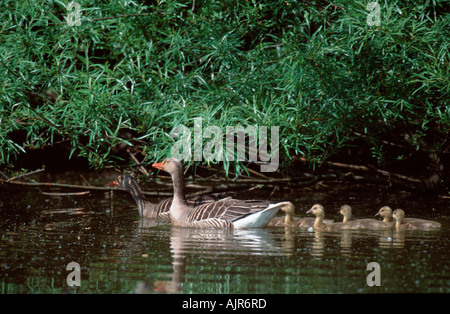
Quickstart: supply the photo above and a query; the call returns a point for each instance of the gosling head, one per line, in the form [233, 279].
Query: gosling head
[288, 208]
[317, 210]
[346, 211]
[385, 212]
[399, 215]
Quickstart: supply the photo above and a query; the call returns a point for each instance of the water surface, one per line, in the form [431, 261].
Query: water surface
[120, 253]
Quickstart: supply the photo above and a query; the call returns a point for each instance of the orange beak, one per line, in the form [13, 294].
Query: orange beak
[158, 165]
[113, 183]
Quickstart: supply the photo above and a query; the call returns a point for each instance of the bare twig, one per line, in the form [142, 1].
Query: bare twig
[258, 174]
[56, 185]
[85, 180]
[4, 175]
[26, 174]
[64, 194]
[141, 168]
[367, 169]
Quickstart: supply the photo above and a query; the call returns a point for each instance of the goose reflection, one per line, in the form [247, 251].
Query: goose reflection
[346, 242]
[145, 223]
[211, 244]
[318, 244]
[319, 237]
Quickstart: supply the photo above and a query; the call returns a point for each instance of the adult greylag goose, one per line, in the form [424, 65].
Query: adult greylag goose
[318, 211]
[346, 211]
[225, 213]
[294, 222]
[416, 224]
[159, 210]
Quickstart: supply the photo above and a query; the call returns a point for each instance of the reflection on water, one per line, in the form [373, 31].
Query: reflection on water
[118, 253]
[217, 245]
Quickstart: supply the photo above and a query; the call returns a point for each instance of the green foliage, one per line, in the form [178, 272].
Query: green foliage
[314, 68]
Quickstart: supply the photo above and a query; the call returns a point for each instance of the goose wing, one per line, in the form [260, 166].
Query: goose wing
[163, 207]
[227, 209]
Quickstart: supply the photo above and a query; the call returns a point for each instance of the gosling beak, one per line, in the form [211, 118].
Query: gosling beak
[113, 183]
[377, 214]
[309, 211]
[158, 165]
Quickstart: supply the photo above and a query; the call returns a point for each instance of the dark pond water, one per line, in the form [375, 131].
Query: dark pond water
[119, 253]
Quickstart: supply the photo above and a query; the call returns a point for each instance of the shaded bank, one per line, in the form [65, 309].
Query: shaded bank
[352, 165]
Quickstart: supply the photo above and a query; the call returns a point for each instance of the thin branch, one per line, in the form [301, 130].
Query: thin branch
[26, 174]
[56, 185]
[76, 186]
[64, 194]
[368, 169]
[139, 166]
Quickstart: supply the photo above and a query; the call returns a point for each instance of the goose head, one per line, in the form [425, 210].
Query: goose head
[288, 208]
[317, 210]
[169, 165]
[346, 211]
[125, 181]
[385, 212]
[399, 215]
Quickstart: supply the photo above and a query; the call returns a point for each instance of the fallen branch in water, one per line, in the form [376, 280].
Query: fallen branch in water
[55, 185]
[64, 194]
[75, 186]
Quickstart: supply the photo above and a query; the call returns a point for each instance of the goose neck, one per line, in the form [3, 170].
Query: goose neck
[288, 217]
[178, 189]
[136, 192]
[318, 223]
[346, 218]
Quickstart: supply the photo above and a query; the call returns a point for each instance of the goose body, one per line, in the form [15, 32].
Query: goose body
[416, 224]
[150, 210]
[318, 211]
[225, 213]
[372, 224]
[294, 222]
[385, 212]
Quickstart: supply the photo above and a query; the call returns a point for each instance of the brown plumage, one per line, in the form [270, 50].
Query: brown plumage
[159, 210]
[294, 222]
[318, 211]
[225, 213]
[373, 224]
[415, 224]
